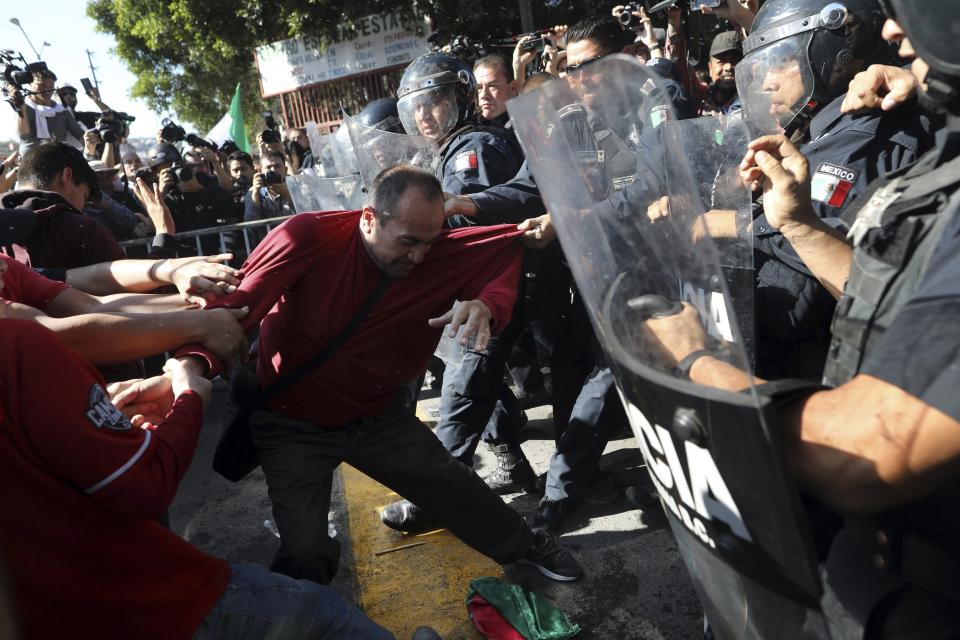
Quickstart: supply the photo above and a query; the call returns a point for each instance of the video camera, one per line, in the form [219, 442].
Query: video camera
[271, 134]
[464, 47]
[271, 177]
[113, 126]
[626, 18]
[16, 73]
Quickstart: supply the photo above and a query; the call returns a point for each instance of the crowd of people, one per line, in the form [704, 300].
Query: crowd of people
[853, 229]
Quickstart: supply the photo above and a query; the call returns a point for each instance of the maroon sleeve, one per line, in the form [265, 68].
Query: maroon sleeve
[275, 265]
[83, 439]
[496, 285]
[26, 286]
[96, 244]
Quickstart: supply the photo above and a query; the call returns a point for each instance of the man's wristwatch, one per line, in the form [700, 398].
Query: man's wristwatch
[682, 368]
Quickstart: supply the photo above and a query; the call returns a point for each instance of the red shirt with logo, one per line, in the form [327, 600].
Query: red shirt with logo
[82, 490]
[311, 274]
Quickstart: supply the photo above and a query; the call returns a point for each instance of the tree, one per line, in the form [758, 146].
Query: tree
[188, 55]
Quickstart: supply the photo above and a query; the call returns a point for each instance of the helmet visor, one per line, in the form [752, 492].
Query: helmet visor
[431, 113]
[774, 83]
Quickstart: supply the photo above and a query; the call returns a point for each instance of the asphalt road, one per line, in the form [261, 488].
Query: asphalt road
[635, 588]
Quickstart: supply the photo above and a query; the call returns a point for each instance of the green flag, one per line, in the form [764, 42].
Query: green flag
[230, 126]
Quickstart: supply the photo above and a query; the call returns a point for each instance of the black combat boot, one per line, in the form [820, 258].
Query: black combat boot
[513, 473]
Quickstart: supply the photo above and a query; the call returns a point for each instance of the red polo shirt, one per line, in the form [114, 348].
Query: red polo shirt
[312, 273]
[19, 283]
[82, 490]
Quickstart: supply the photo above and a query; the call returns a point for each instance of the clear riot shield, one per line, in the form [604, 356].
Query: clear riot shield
[712, 150]
[377, 150]
[313, 193]
[711, 453]
[333, 152]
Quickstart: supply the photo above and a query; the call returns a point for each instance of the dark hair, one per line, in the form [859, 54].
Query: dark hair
[240, 156]
[42, 164]
[604, 31]
[495, 61]
[390, 185]
[274, 154]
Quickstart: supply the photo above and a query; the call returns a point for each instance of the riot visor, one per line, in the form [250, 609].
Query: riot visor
[432, 113]
[775, 83]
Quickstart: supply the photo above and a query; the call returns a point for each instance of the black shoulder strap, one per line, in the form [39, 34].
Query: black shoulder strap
[293, 378]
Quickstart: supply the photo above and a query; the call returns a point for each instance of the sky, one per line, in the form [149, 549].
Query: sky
[65, 26]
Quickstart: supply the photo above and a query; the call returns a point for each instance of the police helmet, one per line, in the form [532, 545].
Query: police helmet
[933, 33]
[802, 54]
[381, 114]
[437, 95]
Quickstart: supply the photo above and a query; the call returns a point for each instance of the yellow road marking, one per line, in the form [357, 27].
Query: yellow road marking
[422, 585]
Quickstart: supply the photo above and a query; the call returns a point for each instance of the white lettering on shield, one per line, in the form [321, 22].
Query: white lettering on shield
[712, 309]
[704, 496]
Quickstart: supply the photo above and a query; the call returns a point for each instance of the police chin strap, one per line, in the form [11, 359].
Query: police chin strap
[797, 129]
[941, 96]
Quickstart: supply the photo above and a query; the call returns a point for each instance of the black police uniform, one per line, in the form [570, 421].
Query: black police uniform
[846, 153]
[474, 399]
[897, 321]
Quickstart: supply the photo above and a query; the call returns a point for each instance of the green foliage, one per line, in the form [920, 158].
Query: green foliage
[188, 55]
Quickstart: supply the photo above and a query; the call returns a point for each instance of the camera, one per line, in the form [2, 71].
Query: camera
[182, 172]
[270, 136]
[269, 120]
[271, 177]
[113, 126]
[196, 141]
[468, 49]
[146, 174]
[16, 73]
[172, 132]
[626, 17]
[534, 44]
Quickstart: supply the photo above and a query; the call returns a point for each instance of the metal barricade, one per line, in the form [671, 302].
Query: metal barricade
[252, 233]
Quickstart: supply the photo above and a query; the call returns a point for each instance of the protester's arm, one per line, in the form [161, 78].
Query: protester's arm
[72, 302]
[84, 441]
[199, 279]
[774, 164]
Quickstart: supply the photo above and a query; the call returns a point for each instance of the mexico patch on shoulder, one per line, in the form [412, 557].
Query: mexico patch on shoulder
[832, 183]
[464, 161]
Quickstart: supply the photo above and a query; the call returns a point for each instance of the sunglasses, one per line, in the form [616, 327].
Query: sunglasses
[577, 68]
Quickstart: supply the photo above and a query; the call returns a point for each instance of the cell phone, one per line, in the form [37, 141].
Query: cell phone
[695, 4]
[87, 85]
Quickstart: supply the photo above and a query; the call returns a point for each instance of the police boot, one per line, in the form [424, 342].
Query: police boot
[513, 473]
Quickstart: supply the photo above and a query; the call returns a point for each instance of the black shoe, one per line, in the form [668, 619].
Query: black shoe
[407, 517]
[549, 515]
[552, 559]
[426, 633]
[513, 473]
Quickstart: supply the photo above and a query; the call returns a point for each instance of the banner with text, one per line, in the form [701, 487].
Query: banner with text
[375, 42]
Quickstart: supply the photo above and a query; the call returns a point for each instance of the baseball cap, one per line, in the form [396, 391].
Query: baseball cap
[16, 225]
[725, 43]
[99, 166]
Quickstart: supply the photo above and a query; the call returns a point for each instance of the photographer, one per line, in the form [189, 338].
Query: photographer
[208, 168]
[192, 205]
[122, 221]
[42, 117]
[298, 144]
[241, 169]
[269, 196]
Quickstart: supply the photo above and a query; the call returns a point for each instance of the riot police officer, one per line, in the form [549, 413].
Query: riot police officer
[794, 80]
[882, 444]
[437, 99]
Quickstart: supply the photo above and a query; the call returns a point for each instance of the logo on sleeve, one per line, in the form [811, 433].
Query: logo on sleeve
[464, 161]
[102, 412]
[832, 184]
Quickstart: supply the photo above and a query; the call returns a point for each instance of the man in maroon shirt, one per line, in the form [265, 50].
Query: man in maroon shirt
[304, 282]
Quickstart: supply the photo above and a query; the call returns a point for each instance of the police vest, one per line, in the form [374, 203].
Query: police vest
[894, 236]
[619, 158]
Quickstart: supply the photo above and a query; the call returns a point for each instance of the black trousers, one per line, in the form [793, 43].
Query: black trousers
[396, 450]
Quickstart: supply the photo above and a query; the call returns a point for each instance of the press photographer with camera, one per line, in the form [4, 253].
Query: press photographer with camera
[192, 205]
[269, 196]
[41, 117]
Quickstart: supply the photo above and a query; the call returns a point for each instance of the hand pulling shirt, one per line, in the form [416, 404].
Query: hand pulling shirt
[311, 274]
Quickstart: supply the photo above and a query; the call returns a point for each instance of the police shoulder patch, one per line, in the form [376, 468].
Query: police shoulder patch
[102, 413]
[464, 161]
[832, 183]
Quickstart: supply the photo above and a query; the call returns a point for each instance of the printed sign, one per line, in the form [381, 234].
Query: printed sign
[374, 42]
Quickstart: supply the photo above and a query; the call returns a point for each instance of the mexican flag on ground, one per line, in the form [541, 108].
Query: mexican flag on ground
[230, 126]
